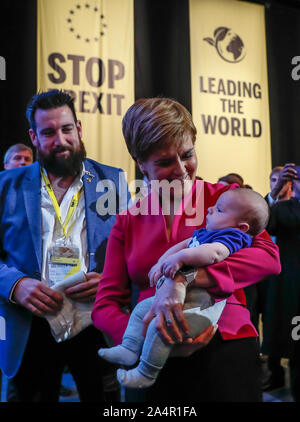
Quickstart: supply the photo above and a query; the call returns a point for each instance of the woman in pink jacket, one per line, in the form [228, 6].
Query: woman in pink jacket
[160, 136]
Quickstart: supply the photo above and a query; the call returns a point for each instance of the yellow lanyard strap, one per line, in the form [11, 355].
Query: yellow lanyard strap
[72, 208]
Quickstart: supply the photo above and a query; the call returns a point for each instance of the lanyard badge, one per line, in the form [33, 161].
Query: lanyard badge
[63, 261]
[63, 256]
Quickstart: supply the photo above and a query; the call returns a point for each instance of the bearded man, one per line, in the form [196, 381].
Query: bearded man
[50, 229]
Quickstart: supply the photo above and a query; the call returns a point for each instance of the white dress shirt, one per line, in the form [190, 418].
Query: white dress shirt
[52, 230]
[74, 316]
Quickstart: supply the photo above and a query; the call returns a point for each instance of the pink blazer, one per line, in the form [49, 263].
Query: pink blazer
[136, 243]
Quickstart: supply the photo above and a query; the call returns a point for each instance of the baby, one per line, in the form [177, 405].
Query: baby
[237, 215]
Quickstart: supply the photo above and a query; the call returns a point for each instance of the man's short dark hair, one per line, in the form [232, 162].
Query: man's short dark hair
[47, 100]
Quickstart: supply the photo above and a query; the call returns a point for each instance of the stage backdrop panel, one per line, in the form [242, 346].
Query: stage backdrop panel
[87, 49]
[230, 90]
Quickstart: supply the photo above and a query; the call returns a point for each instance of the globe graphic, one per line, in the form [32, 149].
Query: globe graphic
[230, 47]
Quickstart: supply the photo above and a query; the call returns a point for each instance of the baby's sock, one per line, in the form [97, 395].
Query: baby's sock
[119, 354]
[133, 379]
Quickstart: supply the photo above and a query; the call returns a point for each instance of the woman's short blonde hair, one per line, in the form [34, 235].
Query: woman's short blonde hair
[151, 124]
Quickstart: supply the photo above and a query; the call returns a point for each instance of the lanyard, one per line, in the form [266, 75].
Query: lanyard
[72, 207]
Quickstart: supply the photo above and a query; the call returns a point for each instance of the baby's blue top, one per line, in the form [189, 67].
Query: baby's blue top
[234, 239]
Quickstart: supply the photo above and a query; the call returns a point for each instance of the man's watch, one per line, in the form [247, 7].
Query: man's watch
[189, 274]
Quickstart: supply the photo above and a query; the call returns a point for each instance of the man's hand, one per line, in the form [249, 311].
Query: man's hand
[37, 297]
[85, 291]
[167, 308]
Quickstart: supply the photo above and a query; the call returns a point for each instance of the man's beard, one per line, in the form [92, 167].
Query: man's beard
[61, 166]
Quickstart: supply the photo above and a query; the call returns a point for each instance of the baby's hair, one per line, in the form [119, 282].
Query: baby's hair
[254, 210]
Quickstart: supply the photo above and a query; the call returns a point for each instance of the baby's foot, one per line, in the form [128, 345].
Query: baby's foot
[118, 354]
[133, 379]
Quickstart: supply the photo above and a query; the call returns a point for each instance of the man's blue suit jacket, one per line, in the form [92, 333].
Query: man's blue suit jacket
[21, 242]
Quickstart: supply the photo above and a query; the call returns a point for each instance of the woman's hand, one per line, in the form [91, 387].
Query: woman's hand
[190, 346]
[167, 308]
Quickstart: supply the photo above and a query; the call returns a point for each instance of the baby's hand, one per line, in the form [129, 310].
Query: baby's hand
[154, 274]
[171, 265]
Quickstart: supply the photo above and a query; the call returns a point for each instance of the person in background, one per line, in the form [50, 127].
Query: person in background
[279, 295]
[18, 155]
[285, 192]
[257, 295]
[231, 178]
[160, 136]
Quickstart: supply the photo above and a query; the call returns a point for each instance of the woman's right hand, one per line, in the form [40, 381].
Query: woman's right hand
[167, 308]
[192, 345]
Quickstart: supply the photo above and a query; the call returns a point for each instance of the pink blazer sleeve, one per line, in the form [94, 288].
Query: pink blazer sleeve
[245, 267]
[114, 291]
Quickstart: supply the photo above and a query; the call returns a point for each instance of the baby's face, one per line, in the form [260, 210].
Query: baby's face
[224, 214]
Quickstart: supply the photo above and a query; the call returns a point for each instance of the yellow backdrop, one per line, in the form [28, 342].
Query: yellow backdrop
[230, 90]
[87, 48]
